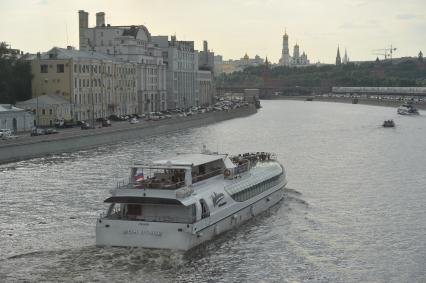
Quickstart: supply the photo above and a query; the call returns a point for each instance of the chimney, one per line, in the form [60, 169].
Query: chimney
[205, 45]
[83, 23]
[83, 19]
[100, 19]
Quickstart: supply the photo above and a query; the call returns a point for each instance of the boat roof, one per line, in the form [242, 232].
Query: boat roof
[190, 159]
[187, 160]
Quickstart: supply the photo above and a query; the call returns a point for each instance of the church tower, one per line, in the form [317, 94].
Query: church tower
[285, 55]
[345, 58]
[296, 55]
[338, 59]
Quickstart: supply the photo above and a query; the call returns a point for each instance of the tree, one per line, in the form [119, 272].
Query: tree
[15, 77]
[421, 56]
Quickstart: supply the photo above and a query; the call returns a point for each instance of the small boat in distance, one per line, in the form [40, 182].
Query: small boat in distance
[181, 202]
[407, 108]
[388, 124]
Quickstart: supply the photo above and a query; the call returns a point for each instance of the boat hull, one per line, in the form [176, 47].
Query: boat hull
[179, 236]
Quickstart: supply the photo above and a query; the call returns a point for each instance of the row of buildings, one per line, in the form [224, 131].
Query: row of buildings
[297, 59]
[118, 70]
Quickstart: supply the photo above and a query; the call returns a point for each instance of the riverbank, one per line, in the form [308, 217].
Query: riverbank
[365, 101]
[75, 139]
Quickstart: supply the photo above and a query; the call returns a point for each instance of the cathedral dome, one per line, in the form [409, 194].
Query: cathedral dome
[246, 57]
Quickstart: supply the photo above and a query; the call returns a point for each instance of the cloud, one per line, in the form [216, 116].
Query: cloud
[43, 2]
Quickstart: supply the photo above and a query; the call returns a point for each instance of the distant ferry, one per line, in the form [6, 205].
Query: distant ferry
[407, 108]
[181, 202]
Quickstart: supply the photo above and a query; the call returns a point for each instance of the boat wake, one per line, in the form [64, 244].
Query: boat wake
[292, 195]
[97, 263]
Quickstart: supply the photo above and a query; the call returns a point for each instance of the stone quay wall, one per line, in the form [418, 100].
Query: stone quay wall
[31, 147]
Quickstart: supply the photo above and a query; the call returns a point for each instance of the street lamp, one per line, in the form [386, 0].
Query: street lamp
[41, 89]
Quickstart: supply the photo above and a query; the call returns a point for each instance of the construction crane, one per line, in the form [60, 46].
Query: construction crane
[385, 52]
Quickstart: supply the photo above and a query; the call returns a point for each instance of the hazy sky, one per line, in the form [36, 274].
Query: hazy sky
[232, 27]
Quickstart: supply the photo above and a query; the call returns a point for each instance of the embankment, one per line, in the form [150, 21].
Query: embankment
[365, 101]
[68, 141]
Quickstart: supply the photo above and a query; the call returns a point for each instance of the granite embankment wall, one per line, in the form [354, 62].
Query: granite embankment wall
[31, 147]
[365, 101]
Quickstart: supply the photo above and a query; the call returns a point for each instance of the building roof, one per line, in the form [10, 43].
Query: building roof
[137, 32]
[9, 107]
[46, 99]
[189, 159]
[69, 53]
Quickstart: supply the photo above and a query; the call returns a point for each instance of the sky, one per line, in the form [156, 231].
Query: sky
[232, 27]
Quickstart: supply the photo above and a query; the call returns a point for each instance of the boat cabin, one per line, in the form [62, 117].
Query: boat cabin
[172, 174]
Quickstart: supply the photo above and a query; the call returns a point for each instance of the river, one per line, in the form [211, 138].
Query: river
[354, 208]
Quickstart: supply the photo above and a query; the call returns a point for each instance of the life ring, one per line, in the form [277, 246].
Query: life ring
[227, 173]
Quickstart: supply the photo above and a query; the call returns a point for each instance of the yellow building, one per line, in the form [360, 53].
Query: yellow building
[95, 85]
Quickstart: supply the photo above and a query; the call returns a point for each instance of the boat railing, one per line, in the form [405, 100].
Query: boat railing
[151, 184]
[169, 219]
[198, 178]
[157, 184]
[253, 158]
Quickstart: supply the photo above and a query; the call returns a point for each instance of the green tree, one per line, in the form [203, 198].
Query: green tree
[15, 77]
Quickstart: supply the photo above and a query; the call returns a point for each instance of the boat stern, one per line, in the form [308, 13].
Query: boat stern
[158, 235]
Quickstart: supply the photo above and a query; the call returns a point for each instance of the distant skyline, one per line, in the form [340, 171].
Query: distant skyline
[232, 27]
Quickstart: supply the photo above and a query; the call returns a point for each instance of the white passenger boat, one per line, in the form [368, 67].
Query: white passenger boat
[180, 202]
[407, 108]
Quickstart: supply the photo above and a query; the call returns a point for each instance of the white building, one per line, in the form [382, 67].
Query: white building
[15, 119]
[205, 87]
[133, 44]
[182, 71]
[296, 59]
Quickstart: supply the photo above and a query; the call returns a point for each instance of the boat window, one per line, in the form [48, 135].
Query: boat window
[207, 170]
[157, 178]
[244, 194]
[153, 212]
[205, 212]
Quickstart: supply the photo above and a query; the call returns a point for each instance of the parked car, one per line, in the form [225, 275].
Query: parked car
[85, 126]
[50, 131]
[133, 120]
[61, 123]
[38, 131]
[5, 132]
[114, 118]
[106, 123]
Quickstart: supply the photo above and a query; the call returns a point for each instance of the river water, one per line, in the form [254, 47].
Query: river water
[354, 209]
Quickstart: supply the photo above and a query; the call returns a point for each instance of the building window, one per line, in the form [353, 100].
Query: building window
[43, 69]
[60, 68]
[50, 111]
[43, 112]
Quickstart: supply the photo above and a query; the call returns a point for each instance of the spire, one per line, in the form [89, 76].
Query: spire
[345, 58]
[338, 59]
